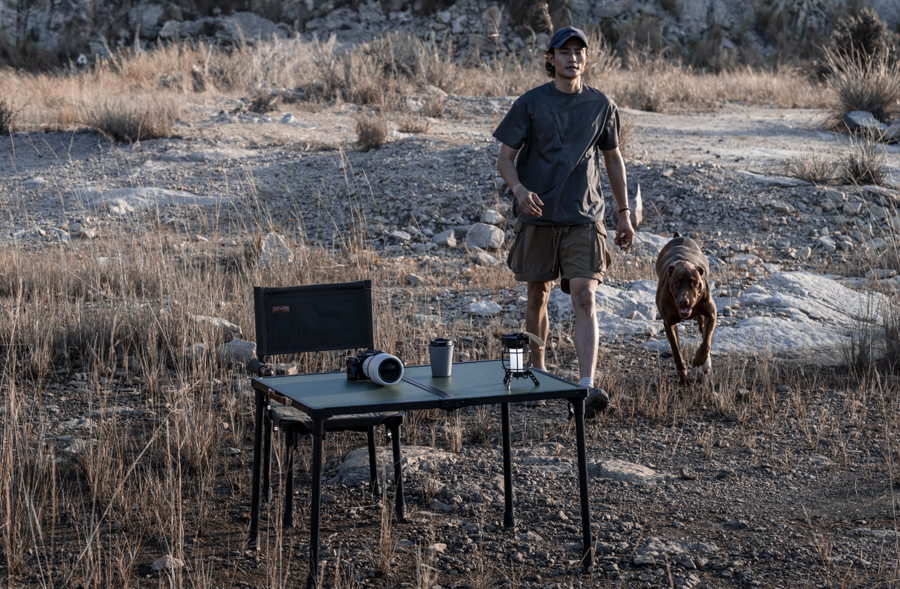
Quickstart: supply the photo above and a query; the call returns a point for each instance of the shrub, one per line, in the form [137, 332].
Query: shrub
[864, 163]
[862, 34]
[413, 124]
[814, 167]
[372, 131]
[263, 101]
[863, 84]
[130, 118]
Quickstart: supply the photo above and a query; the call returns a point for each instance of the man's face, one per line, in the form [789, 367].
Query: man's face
[570, 59]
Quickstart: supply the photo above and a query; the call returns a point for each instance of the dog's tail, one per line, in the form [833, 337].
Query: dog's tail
[677, 234]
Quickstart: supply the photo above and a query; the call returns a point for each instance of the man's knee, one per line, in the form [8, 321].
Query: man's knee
[583, 290]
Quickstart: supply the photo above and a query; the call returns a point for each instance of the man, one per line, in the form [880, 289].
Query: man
[558, 131]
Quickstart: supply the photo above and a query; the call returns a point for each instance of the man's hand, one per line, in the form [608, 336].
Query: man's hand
[625, 232]
[529, 202]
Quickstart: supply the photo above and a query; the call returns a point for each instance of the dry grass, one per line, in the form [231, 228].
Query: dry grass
[857, 83]
[864, 162]
[131, 118]
[413, 124]
[378, 74]
[815, 167]
[372, 131]
[7, 116]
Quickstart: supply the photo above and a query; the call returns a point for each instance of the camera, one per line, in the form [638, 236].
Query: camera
[375, 365]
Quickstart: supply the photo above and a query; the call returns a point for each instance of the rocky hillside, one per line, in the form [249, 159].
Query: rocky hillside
[47, 31]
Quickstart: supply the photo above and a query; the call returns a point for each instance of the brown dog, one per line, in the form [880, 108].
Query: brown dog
[682, 292]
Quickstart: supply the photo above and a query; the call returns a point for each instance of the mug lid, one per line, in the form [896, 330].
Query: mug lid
[441, 341]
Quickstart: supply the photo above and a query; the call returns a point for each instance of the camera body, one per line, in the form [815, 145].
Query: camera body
[375, 365]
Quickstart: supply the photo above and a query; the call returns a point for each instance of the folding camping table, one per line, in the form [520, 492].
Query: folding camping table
[325, 395]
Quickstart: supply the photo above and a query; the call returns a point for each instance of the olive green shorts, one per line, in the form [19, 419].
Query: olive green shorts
[542, 253]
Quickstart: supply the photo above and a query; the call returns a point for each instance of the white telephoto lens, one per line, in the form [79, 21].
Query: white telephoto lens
[383, 369]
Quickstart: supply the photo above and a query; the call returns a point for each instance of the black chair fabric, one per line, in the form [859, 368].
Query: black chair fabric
[313, 318]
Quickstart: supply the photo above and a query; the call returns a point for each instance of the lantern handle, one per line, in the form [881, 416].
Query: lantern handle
[535, 339]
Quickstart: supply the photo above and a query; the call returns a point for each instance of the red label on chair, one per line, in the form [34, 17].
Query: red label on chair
[281, 309]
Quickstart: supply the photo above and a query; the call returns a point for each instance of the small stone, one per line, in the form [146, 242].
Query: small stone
[445, 238]
[483, 308]
[485, 259]
[484, 236]
[167, 562]
[492, 217]
[413, 279]
[826, 243]
[852, 208]
[782, 208]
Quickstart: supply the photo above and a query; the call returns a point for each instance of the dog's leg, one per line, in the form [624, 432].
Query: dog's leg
[672, 334]
[702, 360]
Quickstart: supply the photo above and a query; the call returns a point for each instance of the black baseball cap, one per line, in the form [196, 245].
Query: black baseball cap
[564, 34]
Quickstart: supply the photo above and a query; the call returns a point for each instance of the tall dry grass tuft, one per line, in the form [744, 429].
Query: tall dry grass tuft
[861, 84]
[131, 118]
[864, 162]
[7, 116]
[371, 130]
[814, 167]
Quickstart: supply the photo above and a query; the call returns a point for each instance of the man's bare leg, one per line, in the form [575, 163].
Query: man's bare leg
[587, 342]
[537, 321]
[586, 337]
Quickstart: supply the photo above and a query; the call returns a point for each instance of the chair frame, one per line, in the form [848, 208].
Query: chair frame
[294, 422]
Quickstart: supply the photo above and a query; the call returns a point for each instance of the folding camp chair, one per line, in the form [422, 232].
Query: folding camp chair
[314, 318]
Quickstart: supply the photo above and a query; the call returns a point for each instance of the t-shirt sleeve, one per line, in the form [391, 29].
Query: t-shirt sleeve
[513, 129]
[609, 136]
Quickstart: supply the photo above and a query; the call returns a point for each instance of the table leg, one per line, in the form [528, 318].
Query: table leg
[290, 443]
[253, 542]
[587, 541]
[315, 503]
[509, 515]
[373, 462]
[267, 456]
[398, 474]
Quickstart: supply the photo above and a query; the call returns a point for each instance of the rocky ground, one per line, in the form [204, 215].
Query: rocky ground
[778, 474]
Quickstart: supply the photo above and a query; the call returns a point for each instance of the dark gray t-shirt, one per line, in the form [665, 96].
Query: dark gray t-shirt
[560, 138]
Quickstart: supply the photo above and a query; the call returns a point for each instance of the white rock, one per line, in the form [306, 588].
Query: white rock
[274, 250]
[620, 470]
[222, 326]
[445, 238]
[483, 308]
[417, 460]
[121, 201]
[826, 243]
[485, 259]
[484, 236]
[492, 217]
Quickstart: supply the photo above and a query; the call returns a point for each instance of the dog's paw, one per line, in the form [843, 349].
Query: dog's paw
[705, 368]
[701, 358]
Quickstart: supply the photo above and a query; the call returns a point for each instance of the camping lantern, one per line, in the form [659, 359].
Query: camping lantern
[514, 345]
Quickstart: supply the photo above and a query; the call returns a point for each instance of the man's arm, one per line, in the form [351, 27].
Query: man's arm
[529, 203]
[615, 169]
